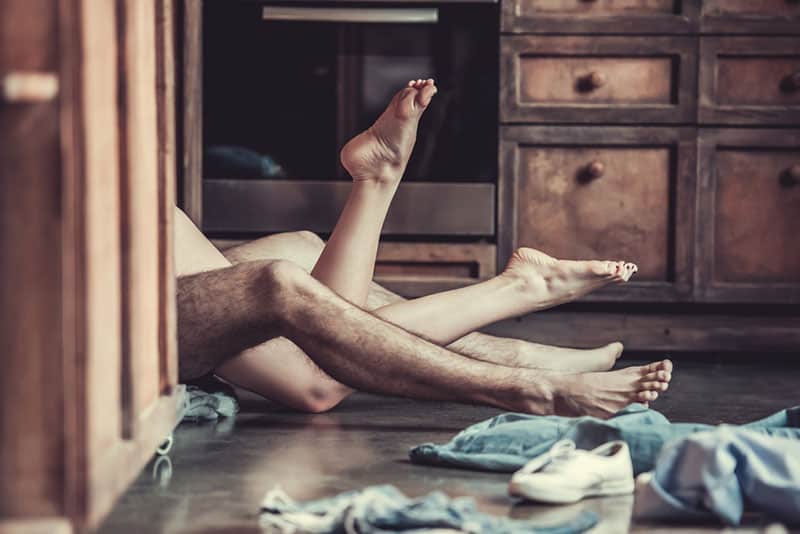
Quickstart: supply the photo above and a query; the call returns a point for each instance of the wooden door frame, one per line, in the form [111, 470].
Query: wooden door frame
[93, 482]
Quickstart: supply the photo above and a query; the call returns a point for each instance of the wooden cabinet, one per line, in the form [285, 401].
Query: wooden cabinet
[597, 79]
[605, 193]
[599, 16]
[677, 151]
[87, 296]
[749, 246]
[751, 16]
[750, 80]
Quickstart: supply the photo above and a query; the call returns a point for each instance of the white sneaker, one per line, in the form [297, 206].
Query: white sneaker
[565, 474]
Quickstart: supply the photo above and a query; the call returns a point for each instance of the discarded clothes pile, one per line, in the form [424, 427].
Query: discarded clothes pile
[720, 474]
[698, 471]
[208, 399]
[507, 442]
[384, 509]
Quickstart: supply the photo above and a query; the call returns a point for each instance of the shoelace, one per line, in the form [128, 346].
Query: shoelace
[560, 452]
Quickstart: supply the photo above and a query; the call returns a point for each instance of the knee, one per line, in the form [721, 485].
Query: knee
[323, 396]
[279, 275]
[311, 240]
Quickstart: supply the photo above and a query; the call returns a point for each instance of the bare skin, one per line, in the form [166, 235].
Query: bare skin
[376, 160]
[279, 370]
[225, 311]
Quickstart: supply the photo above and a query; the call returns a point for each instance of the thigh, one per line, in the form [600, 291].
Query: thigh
[302, 248]
[282, 372]
[222, 312]
[194, 253]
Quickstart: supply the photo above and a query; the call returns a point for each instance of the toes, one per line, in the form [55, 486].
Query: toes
[657, 376]
[628, 270]
[663, 365]
[646, 396]
[426, 94]
[655, 386]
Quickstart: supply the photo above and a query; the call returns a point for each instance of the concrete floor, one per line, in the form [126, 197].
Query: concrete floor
[216, 474]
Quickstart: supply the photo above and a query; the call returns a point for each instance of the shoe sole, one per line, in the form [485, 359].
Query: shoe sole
[526, 490]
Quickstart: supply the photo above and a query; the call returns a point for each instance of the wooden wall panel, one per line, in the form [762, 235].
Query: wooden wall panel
[30, 272]
[100, 211]
[140, 209]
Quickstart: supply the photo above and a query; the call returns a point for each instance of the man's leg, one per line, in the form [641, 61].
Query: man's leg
[280, 370]
[226, 311]
[304, 248]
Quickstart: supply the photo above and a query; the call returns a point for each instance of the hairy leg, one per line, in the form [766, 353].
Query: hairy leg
[225, 311]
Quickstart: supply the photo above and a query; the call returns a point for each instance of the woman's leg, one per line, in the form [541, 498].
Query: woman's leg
[532, 281]
[376, 160]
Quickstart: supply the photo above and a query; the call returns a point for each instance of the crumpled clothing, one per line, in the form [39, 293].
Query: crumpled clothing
[201, 406]
[508, 441]
[720, 474]
[384, 509]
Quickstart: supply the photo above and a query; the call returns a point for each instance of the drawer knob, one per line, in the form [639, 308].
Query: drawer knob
[28, 87]
[593, 171]
[791, 83]
[791, 176]
[595, 80]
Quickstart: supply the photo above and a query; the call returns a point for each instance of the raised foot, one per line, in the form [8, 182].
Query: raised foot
[604, 394]
[381, 153]
[549, 281]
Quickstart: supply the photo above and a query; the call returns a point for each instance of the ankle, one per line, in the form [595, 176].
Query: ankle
[534, 392]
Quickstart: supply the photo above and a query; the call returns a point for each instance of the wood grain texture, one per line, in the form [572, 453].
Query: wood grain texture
[640, 209]
[623, 214]
[659, 331]
[647, 80]
[750, 16]
[763, 247]
[416, 269]
[557, 80]
[31, 318]
[599, 16]
[192, 113]
[747, 80]
[166, 77]
[140, 214]
[748, 247]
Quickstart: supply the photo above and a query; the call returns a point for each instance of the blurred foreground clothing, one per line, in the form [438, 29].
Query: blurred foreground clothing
[384, 509]
[508, 441]
[207, 399]
[720, 474]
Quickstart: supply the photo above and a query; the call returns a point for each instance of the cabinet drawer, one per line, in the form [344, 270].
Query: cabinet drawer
[749, 244]
[602, 193]
[599, 16]
[750, 16]
[591, 79]
[417, 269]
[750, 80]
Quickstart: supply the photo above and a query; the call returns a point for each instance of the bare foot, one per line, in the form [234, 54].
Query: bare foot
[604, 394]
[381, 152]
[549, 282]
[535, 356]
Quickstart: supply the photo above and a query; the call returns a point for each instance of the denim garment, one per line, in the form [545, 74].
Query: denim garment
[200, 405]
[384, 509]
[508, 441]
[719, 473]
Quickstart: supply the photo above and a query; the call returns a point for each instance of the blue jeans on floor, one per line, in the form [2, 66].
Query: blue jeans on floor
[507, 442]
[719, 473]
[384, 509]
